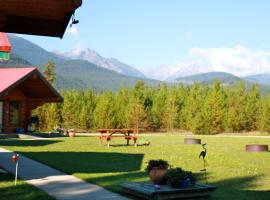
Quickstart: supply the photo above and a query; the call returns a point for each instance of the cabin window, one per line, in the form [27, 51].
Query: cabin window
[14, 113]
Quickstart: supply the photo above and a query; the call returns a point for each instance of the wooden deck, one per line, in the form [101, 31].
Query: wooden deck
[149, 191]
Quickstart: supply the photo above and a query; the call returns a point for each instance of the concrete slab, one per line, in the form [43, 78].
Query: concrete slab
[59, 185]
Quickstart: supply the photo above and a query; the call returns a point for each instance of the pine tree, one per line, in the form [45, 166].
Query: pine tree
[49, 115]
[104, 112]
[121, 107]
[69, 109]
[201, 123]
[86, 112]
[181, 106]
[137, 116]
[194, 110]
[214, 109]
[148, 104]
[170, 115]
[49, 72]
[159, 107]
[252, 108]
[264, 115]
[236, 110]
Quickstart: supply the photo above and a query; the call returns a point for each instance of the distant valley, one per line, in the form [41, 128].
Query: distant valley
[88, 69]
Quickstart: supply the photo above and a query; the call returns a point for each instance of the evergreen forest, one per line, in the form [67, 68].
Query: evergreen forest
[199, 108]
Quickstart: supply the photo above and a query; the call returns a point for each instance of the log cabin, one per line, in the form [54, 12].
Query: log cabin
[21, 91]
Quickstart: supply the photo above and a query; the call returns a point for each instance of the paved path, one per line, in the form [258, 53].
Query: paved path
[57, 184]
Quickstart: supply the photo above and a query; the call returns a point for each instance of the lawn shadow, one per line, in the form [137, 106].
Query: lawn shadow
[113, 182]
[21, 191]
[22, 143]
[89, 162]
[47, 135]
[238, 188]
[235, 188]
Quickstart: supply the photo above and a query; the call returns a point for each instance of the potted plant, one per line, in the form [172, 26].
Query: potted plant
[157, 170]
[71, 132]
[179, 178]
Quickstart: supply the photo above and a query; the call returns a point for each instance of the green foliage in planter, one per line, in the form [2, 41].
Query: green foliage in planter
[162, 164]
[175, 177]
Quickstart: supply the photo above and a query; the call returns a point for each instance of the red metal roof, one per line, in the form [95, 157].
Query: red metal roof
[4, 43]
[9, 76]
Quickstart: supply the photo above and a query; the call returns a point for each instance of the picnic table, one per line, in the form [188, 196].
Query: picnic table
[128, 134]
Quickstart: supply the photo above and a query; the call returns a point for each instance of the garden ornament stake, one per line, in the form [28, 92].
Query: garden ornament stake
[203, 155]
[15, 159]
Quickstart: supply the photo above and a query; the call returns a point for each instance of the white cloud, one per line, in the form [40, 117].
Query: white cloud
[74, 52]
[79, 46]
[74, 32]
[238, 60]
[161, 72]
[188, 34]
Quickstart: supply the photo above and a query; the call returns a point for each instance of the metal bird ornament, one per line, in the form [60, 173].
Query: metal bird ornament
[203, 155]
[203, 152]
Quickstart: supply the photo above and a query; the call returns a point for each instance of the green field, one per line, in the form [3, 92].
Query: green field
[22, 191]
[237, 174]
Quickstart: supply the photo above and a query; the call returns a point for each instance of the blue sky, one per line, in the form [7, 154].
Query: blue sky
[151, 33]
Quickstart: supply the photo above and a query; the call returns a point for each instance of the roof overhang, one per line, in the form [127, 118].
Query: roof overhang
[31, 88]
[42, 17]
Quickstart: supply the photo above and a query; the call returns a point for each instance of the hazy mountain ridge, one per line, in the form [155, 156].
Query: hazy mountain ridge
[81, 74]
[259, 78]
[15, 61]
[71, 74]
[31, 51]
[108, 63]
[209, 77]
[223, 77]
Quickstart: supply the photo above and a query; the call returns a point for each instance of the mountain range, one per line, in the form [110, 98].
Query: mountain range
[209, 78]
[225, 78]
[107, 63]
[87, 68]
[71, 73]
[259, 78]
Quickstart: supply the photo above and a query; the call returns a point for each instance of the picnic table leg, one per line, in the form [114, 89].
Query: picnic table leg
[127, 139]
[135, 142]
[100, 140]
[127, 142]
[108, 138]
[108, 142]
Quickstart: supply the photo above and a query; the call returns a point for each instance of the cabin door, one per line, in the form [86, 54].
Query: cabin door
[1, 116]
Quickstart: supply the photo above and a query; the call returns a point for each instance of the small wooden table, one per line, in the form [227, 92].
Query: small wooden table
[147, 190]
[128, 134]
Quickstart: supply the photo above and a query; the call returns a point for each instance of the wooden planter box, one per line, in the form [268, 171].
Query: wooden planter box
[146, 190]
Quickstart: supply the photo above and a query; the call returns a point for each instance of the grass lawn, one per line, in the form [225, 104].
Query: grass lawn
[237, 174]
[22, 191]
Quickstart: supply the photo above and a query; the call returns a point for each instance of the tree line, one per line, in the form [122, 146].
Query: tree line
[202, 109]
